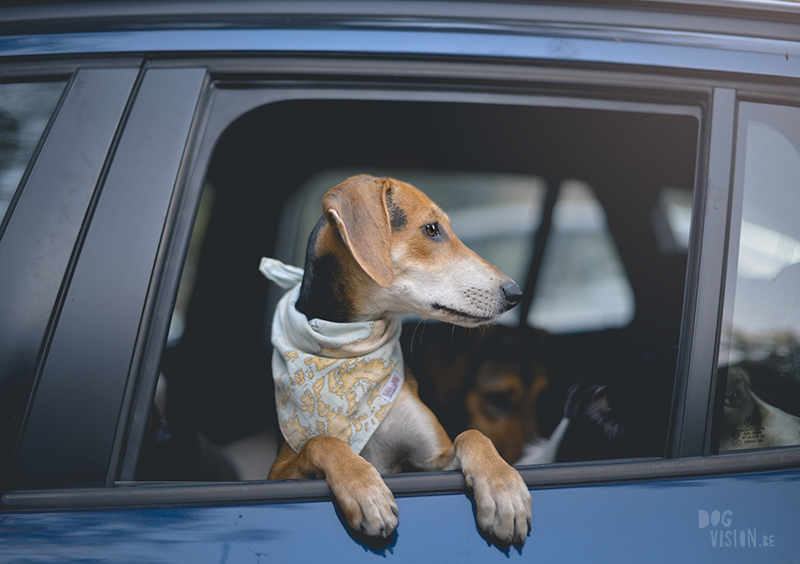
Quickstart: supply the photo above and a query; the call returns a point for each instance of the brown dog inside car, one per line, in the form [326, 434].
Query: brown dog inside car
[489, 380]
[348, 408]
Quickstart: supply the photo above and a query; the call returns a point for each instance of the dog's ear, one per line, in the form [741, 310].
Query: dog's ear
[357, 209]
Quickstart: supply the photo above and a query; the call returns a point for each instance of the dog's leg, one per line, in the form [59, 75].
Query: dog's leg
[365, 500]
[502, 500]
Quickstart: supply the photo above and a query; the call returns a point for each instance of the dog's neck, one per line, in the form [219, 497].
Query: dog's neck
[325, 292]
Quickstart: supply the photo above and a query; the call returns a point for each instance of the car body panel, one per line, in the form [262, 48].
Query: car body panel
[735, 518]
[697, 52]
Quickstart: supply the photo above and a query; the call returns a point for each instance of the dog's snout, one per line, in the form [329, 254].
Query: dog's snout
[512, 292]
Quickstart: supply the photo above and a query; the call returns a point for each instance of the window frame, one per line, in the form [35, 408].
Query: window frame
[353, 79]
[235, 94]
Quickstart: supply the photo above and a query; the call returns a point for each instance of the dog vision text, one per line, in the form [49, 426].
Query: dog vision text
[745, 538]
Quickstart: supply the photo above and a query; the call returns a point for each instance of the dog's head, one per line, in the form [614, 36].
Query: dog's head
[392, 251]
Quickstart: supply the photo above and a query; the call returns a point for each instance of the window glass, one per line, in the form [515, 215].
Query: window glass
[496, 215]
[25, 109]
[760, 350]
[583, 285]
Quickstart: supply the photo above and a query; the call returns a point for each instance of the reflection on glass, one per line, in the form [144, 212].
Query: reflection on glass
[760, 349]
[25, 109]
[765, 253]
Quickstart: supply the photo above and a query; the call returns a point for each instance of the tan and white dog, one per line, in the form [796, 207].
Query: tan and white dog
[383, 249]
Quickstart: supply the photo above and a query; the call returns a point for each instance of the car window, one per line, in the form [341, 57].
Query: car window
[759, 360]
[603, 292]
[25, 109]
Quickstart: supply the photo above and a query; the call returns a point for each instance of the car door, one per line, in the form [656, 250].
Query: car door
[108, 329]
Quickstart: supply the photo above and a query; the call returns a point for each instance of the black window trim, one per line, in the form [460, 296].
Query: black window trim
[160, 300]
[105, 376]
[705, 275]
[73, 153]
[128, 494]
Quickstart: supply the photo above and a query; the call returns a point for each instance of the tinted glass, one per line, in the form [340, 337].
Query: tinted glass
[25, 109]
[760, 351]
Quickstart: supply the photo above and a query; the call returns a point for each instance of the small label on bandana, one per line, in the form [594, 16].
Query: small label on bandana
[392, 387]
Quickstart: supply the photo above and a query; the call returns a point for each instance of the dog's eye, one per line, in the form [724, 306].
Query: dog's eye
[432, 230]
[502, 401]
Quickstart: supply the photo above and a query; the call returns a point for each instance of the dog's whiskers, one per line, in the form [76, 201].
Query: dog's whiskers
[414, 334]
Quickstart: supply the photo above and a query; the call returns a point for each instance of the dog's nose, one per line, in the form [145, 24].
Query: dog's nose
[512, 292]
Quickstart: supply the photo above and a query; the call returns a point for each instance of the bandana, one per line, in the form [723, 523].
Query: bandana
[336, 379]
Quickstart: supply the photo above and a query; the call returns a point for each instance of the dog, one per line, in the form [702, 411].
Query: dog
[489, 380]
[749, 422]
[383, 249]
[617, 409]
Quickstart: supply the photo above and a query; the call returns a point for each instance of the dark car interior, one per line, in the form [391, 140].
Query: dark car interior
[512, 382]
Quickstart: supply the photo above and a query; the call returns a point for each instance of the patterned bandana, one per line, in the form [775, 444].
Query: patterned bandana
[336, 379]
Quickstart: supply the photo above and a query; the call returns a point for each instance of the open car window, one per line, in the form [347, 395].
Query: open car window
[537, 190]
[759, 376]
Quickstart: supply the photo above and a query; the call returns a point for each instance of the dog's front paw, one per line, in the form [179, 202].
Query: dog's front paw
[367, 503]
[503, 505]
[502, 500]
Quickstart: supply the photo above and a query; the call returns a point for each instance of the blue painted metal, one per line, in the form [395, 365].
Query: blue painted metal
[738, 518]
[690, 51]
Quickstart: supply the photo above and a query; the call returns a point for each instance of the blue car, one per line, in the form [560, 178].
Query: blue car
[634, 166]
